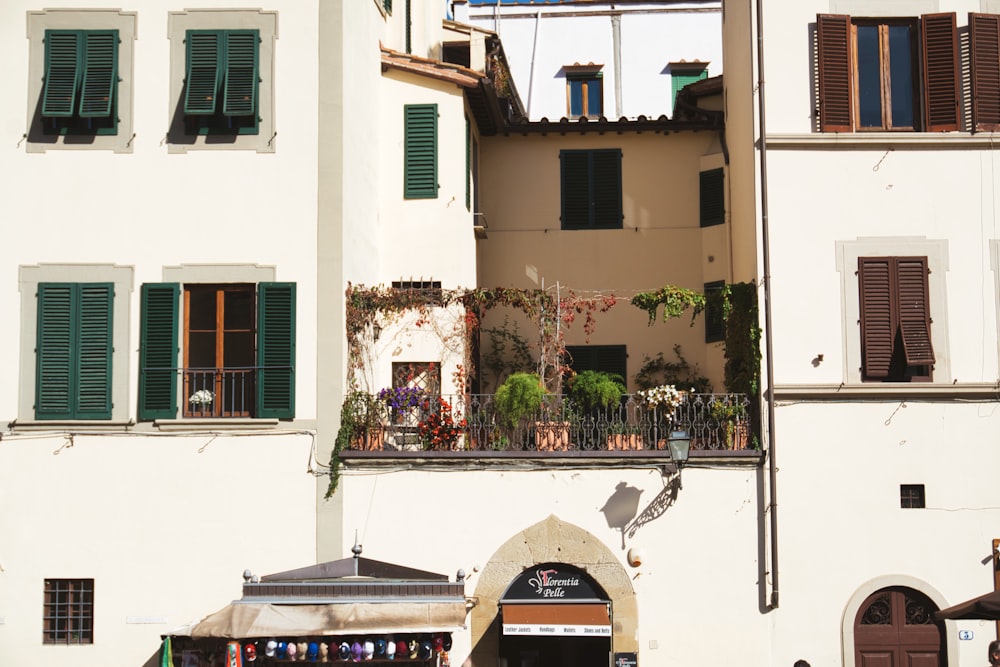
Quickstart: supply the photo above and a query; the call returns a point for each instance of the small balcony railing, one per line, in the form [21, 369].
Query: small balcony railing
[472, 423]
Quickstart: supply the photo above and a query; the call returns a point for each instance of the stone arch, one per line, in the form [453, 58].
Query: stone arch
[874, 585]
[551, 541]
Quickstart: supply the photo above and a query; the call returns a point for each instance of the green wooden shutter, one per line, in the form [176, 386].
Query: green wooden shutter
[942, 94]
[100, 74]
[276, 350]
[984, 31]
[420, 149]
[62, 72]
[94, 365]
[712, 198]
[54, 351]
[877, 330]
[74, 351]
[158, 351]
[833, 57]
[606, 189]
[684, 77]
[387, 6]
[574, 167]
[204, 50]
[241, 73]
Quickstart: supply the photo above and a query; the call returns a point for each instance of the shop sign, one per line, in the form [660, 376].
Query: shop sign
[626, 659]
[553, 582]
[556, 630]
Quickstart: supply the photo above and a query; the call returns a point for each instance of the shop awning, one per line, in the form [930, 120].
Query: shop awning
[250, 620]
[557, 619]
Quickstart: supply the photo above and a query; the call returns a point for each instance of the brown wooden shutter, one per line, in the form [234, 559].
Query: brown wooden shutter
[984, 47]
[914, 310]
[833, 55]
[877, 332]
[939, 41]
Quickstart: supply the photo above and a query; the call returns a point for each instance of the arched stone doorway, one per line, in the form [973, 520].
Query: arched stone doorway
[895, 626]
[551, 541]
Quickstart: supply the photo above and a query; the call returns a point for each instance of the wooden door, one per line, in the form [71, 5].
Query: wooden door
[895, 628]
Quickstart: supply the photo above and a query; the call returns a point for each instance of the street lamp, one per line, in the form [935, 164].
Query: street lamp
[680, 447]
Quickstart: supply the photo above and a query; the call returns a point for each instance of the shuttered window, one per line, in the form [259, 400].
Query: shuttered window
[602, 358]
[715, 320]
[420, 168]
[895, 319]
[79, 94]
[73, 351]
[158, 351]
[984, 30]
[221, 83]
[239, 359]
[868, 73]
[591, 189]
[712, 198]
[585, 93]
[681, 76]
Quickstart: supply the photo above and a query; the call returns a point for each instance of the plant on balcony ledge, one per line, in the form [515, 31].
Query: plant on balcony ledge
[520, 395]
[596, 390]
[439, 430]
[401, 401]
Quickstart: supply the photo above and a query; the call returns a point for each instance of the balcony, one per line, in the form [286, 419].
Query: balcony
[471, 423]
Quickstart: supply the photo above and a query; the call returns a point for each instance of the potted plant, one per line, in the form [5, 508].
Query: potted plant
[624, 436]
[662, 401]
[596, 390]
[520, 395]
[729, 414]
[361, 417]
[439, 430]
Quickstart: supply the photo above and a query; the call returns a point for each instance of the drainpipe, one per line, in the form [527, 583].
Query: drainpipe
[616, 39]
[768, 344]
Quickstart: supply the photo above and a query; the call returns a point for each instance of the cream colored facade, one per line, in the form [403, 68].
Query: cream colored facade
[846, 445]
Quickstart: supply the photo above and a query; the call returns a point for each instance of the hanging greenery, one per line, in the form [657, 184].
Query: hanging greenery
[742, 372]
[675, 301]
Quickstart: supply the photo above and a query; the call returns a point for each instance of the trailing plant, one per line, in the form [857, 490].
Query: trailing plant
[593, 390]
[359, 414]
[520, 395]
[742, 372]
[657, 371]
[674, 300]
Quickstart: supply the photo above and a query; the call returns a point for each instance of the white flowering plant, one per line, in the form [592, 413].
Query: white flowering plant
[664, 396]
[202, 397]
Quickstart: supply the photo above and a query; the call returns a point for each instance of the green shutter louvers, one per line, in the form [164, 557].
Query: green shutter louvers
[202, 83]
[62, 72]
[276, 350]
[100, 75]
[241, 75]
[158, 351]
[420, 151]
[712, 198]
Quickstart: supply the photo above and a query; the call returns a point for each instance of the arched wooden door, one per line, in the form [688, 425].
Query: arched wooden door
[895, 627]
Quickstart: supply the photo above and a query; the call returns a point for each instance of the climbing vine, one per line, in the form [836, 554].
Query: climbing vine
[674, 300]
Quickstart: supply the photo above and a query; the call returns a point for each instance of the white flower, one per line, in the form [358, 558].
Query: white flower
[201, 397]
[665, 395]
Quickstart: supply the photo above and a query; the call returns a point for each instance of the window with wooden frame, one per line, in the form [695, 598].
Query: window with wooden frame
[68, 611]
[420, 151]
[221, 81]
[591, 188]
[238, 350]
[73, 351]
[80, 91]
[895, 319]
[888, 74]
[422, 375]
[584, 91]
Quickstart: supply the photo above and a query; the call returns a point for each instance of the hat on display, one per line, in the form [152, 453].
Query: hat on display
[292, 650]
[301, 649]
[282, 651]
[234, 656]
[250, 652]
[344, 651]
[356, 651]
[438, 641]
[446, 641]
[312, 651]
[414, 649]
[425, 650]
[324, 651]
[379, 648]
[390, 650]
[270, 647]
[368, 649]
[401, 649]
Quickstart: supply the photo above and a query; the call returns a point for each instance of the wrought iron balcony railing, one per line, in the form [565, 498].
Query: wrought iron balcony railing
[473, 423]
[215, 392]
